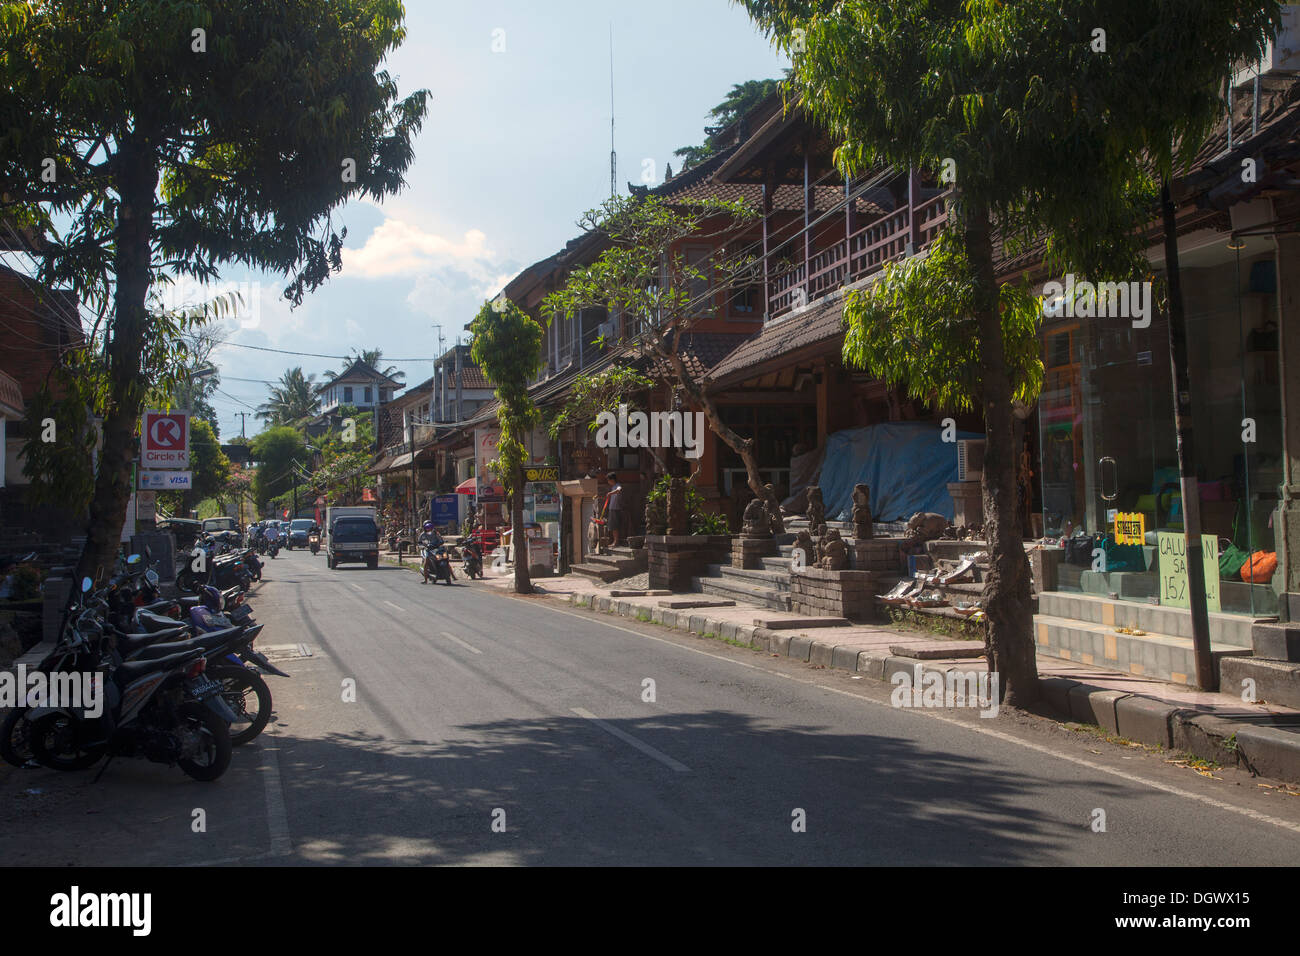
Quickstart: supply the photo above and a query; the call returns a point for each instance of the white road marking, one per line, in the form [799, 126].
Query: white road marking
[395, 607]
[465, 644]
[277, 817]
[355, 586]
[627, 738]
[997, 734]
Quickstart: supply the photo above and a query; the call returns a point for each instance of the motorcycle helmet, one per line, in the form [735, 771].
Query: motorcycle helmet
[211, 598]
[428, 526]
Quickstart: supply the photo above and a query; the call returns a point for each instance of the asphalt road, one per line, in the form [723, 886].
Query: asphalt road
[491, 729]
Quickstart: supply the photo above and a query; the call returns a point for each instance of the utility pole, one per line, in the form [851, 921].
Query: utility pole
[242, 417]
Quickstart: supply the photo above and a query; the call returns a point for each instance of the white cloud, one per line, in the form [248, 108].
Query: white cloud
[397, 248]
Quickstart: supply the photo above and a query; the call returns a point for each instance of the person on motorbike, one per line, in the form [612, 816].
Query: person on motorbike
[272, 535]
[430, 538]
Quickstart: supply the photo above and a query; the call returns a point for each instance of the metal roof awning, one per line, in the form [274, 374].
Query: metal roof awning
[402, 460]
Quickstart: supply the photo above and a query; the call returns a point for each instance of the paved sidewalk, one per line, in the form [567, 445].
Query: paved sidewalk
[1263, 737]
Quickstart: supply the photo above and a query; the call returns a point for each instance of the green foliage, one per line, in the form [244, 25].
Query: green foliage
[914, 326]
[701, 521]
[1053, 136]
[602, 392]
[276, 450]
[742, 98]
[292, 400]
[643, 272]
[209, 465]
[508, 348]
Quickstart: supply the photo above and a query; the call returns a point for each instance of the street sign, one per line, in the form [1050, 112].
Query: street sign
[541, 474]
[146, 506]
[166, 480]
[166, 440]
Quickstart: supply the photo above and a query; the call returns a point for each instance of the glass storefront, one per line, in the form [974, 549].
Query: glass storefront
[1108, 443]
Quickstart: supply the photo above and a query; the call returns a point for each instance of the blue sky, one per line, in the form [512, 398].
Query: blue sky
[514, 149]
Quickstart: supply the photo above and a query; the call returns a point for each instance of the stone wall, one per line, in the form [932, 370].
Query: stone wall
[877, 554]
[749, 552]
[675, 559]
[849, 594]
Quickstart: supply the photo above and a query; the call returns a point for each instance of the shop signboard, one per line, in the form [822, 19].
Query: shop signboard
[1172, 561]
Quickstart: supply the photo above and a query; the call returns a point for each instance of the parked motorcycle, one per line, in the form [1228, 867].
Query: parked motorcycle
[473, 558]
[162, 709]
[252, 564]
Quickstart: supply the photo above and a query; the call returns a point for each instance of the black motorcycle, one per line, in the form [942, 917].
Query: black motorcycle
[437, 564]
[473, 559]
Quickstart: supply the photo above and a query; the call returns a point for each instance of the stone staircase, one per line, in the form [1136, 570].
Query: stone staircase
[1084, 628]
[621, 562]
[768, 586]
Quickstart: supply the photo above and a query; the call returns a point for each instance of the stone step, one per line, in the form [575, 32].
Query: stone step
[777, 564]
[743, 593]
[777, 580]
[1162, 656]
[1277, 682]
[790, 623]
[1229, 629]
[601, 572]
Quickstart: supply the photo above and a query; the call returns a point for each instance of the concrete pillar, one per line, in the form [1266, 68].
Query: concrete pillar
[1286, 521]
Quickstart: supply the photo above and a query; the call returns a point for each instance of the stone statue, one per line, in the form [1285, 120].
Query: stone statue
[804, 542]
[816, 506]
[679, 522]
[656, 516]
[926, 526]
[862, 527]
[776, 524]
[756, 522]
[834, 556]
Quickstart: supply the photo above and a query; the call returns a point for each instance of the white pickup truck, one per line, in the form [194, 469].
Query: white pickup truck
[351, 534]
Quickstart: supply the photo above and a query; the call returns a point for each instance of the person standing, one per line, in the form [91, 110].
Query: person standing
[615, 511]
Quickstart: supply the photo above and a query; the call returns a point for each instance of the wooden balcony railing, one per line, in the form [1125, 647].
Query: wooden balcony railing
[866, 251]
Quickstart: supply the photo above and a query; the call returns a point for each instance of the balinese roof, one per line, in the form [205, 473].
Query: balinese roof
[359, 371]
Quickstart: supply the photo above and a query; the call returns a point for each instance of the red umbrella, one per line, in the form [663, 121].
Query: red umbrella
[470, 487]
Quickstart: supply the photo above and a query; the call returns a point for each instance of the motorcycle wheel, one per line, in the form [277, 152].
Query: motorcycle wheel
[215, 758]
[54, 744]
[248, 696]
[15, 738]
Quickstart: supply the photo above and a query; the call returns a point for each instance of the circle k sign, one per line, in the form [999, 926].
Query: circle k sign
[166, 440]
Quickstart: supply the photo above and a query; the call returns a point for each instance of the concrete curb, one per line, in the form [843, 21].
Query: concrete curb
[1262, 749]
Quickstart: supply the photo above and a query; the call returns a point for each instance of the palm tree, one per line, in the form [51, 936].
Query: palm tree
[292, 400]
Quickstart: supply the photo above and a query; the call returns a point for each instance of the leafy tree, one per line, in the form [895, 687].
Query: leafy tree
[644, 276]
[185, 137]
[508, 348]
[742, 98]
[602, 392]
[291, 400]
[208, 464]
[277, 451]
[1052, 118]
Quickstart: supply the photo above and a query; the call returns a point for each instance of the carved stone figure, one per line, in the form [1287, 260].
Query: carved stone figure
[678, 519]
[926, 526]
[833, 555]
[656, 516]
[776, 524]
[816, 506]
[862, 525]
[756, 522]
[804, 543]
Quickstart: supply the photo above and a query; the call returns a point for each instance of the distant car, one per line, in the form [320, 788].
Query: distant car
[298, 529]
[185, 530]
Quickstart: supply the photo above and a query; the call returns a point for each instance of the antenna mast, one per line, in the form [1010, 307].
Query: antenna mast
[613, 156]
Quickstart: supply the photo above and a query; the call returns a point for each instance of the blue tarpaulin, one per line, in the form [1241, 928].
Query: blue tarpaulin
[907, 466]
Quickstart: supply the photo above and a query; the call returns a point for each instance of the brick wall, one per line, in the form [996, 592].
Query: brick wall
[819, 593]
[675, 559]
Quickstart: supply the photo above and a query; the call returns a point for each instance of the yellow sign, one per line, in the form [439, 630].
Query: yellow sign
[1130, 528]
[1173, 570]
[541, 474]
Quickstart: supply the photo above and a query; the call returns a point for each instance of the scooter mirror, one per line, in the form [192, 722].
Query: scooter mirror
[133, 560]
[86, 585]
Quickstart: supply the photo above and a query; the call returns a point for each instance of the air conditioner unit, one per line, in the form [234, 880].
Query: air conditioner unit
[970, 459]
[1283, 53]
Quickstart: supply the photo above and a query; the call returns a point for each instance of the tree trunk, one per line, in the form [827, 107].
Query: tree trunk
[523, 583]
[132, 268]
[1009, 642]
